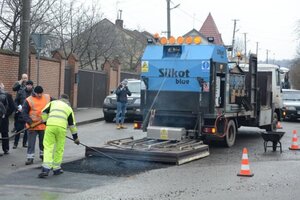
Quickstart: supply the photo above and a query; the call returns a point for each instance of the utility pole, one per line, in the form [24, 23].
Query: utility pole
[267, 56]
[25, 31]
[257, 48]
[168, 18]
[245, 43]
[233, 37]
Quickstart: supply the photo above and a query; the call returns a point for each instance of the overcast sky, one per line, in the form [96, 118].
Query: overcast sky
[272, 23]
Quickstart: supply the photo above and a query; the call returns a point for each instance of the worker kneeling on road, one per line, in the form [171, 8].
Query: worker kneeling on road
[58, 115]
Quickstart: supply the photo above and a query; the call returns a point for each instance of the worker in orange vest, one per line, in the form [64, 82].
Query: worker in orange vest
[32, 114]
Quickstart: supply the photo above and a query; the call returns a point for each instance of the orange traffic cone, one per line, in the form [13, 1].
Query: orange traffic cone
[278, 125]
[245, 169]
[294, 145]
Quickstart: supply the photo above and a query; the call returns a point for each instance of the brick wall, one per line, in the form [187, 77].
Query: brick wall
[9, 62]
[51, 72]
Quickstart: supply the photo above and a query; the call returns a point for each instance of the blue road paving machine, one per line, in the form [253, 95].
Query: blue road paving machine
[193, 95]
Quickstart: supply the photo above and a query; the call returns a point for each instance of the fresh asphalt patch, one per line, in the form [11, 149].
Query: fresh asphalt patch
[105, 166]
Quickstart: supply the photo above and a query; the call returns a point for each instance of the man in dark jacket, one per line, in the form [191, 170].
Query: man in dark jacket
[8, 102]
[18, 86]
[21, 84]
[121, 92]
[22, 94]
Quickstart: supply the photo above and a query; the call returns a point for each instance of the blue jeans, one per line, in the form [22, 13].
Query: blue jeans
[121, 109]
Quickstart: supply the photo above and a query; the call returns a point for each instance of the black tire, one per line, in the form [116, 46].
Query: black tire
[108, 118]
[230, 135]
[272, 127]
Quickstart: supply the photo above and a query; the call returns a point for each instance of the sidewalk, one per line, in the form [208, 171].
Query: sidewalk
[88, 115]
[82, 116]
[16, 157]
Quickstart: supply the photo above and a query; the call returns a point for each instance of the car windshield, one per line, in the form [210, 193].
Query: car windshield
[134, 87]
[291, 96]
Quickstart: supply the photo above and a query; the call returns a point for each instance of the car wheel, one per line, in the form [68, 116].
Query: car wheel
[108, 118]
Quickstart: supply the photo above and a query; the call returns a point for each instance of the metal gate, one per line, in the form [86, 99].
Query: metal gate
[92, 86]
[67, 85]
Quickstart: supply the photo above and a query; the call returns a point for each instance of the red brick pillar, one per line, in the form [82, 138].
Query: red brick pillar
[113, 71]
[73, 63]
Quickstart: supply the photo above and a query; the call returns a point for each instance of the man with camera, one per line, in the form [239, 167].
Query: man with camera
[121, 92]
[21, 84]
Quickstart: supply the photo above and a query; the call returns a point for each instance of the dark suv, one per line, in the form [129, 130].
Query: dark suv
[291, 104]
[133, 111]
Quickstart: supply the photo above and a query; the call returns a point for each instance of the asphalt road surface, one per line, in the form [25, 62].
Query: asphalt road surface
[276, 175]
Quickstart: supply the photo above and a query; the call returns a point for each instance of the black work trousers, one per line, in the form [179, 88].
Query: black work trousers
[4, 134]
[19, 126]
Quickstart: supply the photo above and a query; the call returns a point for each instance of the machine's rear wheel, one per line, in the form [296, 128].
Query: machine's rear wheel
[272, 126]
[230, 135]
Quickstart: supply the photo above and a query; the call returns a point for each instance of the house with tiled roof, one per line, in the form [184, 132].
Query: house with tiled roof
[106, 41]
[195, 33]
[209, 29]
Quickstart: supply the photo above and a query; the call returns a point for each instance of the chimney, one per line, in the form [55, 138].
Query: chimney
[119, 21]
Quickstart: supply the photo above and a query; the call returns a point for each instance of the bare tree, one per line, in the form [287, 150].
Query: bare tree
[73, 28]
[133, 48]
[10, 23]
[295, 68]
[10, 15]
[102, 45]
[239, 45]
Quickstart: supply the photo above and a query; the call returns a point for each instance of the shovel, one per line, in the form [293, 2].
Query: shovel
[13, 135]
[21, 131]
[118, 162]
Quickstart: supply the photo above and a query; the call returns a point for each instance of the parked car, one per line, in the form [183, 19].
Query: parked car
[291, 104]
[133, 111]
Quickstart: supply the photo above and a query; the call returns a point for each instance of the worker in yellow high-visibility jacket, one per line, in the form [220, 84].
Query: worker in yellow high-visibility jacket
[58, 115]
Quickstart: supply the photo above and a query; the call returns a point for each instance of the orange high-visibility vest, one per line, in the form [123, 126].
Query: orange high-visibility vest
[36, 105]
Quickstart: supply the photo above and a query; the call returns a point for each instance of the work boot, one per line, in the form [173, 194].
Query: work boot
[58, 171]
[118, 126]
[123, 127]
[29, 161]
[44, 173]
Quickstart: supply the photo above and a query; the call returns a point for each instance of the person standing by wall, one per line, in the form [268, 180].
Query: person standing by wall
[7, 102]
[21, 84]
[122, 92]
[20, 99]
[32, 114]
[58, 115]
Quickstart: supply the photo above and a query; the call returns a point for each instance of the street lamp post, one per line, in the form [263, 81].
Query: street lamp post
[39, 40]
